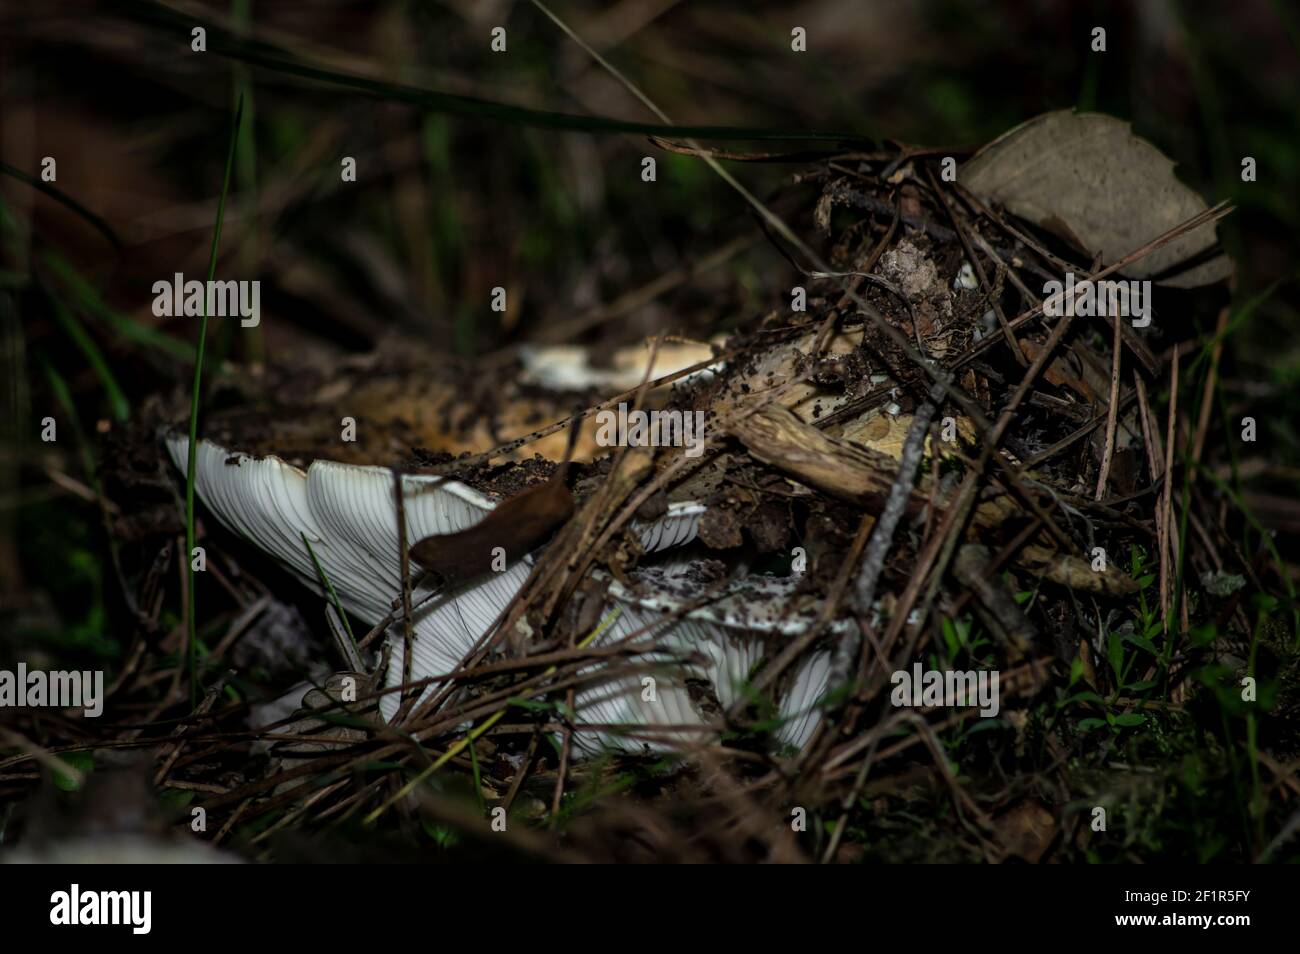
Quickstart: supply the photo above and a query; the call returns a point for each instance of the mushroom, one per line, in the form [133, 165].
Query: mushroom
[348, 515]
[727, 636]
[569, 367]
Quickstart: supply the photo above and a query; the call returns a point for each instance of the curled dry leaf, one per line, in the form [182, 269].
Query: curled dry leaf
[516, 527]
[1087, 178]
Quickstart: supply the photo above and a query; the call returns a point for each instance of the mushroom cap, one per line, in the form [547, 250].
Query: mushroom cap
[270, 478]
[569, 367]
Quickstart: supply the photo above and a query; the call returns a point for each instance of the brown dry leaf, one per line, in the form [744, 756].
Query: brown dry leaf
[887, 434]
[773, 375]
[1026, 830]
[822, 213]
[1077, 573]
[1059, 372]
[517, 526]
[1088, 178]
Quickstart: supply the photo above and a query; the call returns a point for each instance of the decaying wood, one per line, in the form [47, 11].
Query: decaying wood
[775, 436]
[971, 568]
[850, 472]
[1077, 573]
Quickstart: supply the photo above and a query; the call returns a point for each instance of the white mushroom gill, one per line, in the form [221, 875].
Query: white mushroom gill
[701, 659]
[348, 514]
[728, 638]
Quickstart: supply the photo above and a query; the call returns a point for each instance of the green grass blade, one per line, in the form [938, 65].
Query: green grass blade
[90, 301]
[329, 588]
[58, 195]
[94, 357]
[63, 396]
[224, 43]
[192, 461]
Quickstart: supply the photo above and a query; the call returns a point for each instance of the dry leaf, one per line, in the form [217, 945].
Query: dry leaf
[517, 526]
[887, 434]
[1026, 830]
[1089, 179]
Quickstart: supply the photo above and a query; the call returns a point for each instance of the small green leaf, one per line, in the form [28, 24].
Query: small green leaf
[175, 798]
[83, 762]
[1115, 654]
[530, 704]
[442, 836]
[1086, 696]
[1141, 642]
